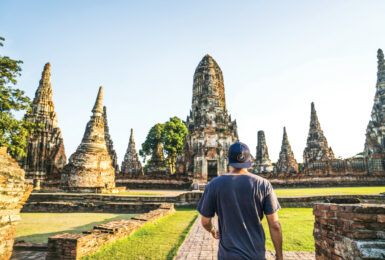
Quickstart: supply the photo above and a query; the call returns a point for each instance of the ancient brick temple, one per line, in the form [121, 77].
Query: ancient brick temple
[317, 149]
[157, 164]
[131, 163]
[45, 148]
[286, 161]
[109, 143]
[374, 151]
[90, 167]
[210, 128]
[14, 192]
[262, 160]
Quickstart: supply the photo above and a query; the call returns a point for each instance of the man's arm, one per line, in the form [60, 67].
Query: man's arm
[276, 234]
[208, 225]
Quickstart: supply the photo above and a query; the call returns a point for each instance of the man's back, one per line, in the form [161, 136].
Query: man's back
[240, 200]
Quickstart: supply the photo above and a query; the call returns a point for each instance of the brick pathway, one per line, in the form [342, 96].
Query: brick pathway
[200, 245]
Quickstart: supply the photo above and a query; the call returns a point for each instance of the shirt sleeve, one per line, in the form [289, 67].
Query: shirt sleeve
[270, 203]
[206, 205]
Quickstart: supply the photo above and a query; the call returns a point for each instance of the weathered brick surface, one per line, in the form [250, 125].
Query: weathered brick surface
[74, 246]
[349, 231]
[14, 191]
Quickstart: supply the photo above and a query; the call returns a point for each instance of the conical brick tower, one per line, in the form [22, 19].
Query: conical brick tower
[262, 160]
[374, 151]
[90, 167]
[286, 162]
[131, 163]
[45, 147]
[317, 148]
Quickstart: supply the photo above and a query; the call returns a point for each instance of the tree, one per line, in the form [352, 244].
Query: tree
[13, 132]
[171, 134]
[175, 132]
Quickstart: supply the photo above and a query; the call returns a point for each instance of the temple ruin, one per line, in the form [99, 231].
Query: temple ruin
[317, 148]
[211, 130]
[45, 148]
[109, 142]
[90, 167]
[286, 161]
[157, 164]
[14, 192]
[131, 163]
[374, 150]
[262, 160]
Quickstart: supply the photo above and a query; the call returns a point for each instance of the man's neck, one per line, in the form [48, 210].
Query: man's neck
[239, 171]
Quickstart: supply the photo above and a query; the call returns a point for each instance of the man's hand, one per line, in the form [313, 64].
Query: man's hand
[276, 234]
[215, 233]
[206, 223]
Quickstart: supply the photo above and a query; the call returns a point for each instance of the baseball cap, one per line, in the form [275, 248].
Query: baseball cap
[239, 155]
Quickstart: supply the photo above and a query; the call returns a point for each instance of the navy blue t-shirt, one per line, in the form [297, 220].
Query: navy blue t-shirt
[239, 200]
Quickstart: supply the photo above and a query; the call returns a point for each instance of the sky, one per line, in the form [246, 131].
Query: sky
[276, 56]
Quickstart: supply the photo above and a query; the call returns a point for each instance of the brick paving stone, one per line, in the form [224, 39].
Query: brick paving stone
[200, 245]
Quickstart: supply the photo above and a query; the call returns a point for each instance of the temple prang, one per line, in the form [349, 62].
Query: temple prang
[317, 148]
[286, 163]
[131, 164]
[374, 150]
[45, 147]
[211, 131]
[262, 161]
[109, 142]
[90, 167]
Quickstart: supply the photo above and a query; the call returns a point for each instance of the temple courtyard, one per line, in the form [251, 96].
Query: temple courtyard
[178, 235]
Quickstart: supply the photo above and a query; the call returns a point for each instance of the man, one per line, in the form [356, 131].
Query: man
[240, 199]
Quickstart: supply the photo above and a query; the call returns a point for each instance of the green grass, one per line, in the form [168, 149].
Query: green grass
[37, 227]
[159, 240]
[297, 229]
[329, 191]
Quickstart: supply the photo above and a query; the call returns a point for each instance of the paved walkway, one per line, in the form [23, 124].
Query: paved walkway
[200, 245]
[27, 255]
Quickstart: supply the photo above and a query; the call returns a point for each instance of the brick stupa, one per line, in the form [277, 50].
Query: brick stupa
[317, 148]
[262, 160]
[90, 167]
[286, 162]
[45, 147]
[131, 164]
[374, 151]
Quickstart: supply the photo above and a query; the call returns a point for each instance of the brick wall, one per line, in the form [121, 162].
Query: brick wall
[349, 231]
[14, 191]
[70, 246]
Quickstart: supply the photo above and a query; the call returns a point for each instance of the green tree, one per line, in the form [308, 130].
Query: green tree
[13, 132]
[171, 134]
[154, 136]
[175, 132]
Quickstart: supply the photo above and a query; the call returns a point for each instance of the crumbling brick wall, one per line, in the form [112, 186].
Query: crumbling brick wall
[349, 231]
[73, 246]
[14, 191]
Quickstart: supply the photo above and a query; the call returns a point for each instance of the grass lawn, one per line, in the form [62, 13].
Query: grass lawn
[297, 228]
[159, 240]
[37, 227]
[133, 193]
[329, 191]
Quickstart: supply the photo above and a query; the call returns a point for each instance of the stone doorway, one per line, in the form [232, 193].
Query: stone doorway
[212, 169]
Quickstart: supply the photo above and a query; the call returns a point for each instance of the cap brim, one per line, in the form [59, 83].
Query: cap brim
[241, 165]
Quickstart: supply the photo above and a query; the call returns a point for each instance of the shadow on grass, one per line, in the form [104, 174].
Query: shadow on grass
[43, 237]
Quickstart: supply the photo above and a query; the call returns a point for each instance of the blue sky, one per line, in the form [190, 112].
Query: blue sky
[277, 57]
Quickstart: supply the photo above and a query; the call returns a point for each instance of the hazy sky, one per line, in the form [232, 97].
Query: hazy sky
[276, 56]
